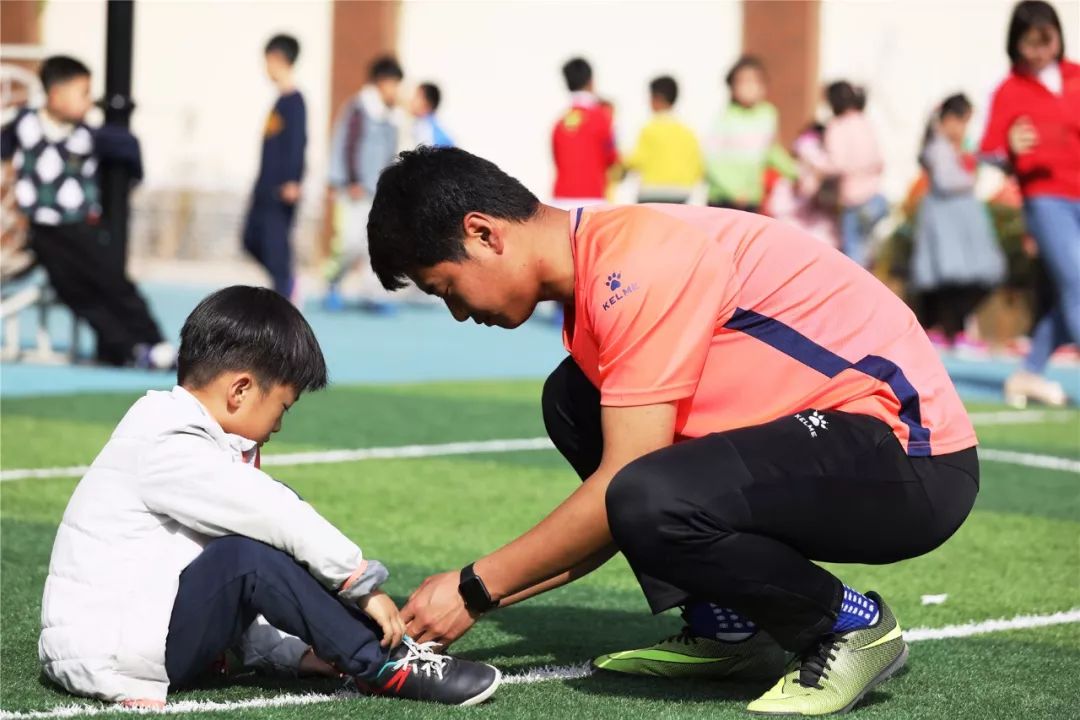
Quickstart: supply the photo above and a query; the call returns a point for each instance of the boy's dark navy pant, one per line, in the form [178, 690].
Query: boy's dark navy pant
[266, 238]
[234, 580]
[737, 517]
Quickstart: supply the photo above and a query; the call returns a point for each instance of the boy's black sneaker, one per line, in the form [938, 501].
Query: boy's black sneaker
[415, 671]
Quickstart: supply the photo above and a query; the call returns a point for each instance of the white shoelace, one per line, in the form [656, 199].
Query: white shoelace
[423, 657]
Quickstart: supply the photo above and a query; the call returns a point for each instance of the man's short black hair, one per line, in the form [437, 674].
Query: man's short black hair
[1027, 15]
[285, 45]
[420, 204]
[578, 74]
[746, 62]
[432, 95]
[665, 88]
[385, 67]
[243, 328]
[59, 69]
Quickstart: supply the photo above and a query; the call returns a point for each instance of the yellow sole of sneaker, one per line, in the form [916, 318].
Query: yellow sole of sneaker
[894, 667]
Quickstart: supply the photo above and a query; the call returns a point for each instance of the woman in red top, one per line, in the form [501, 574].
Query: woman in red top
[1035, 124]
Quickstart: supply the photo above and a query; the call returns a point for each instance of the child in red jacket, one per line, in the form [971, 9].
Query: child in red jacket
[583, 141]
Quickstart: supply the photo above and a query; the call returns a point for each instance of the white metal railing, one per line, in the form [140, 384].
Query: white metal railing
[15, 51]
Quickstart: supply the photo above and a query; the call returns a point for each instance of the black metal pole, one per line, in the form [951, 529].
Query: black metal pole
[115, 177]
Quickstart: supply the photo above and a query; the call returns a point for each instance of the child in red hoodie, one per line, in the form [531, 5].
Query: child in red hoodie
[1034, 123]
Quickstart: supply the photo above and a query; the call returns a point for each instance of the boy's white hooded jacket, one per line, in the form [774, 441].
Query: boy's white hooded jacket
[169, 481]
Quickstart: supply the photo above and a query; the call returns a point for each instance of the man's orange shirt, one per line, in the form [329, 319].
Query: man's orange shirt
[741, 320]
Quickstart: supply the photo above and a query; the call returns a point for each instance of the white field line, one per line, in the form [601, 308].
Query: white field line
[541, 674]
[1022, 417]
[322, 457]
[1046, 462]
[1020, 622]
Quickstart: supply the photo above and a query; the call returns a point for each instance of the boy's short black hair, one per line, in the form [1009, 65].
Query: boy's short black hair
[843, 96]
[385, 67]
[1027, 15]
[243, 328]
[577, 73]
[665, 88]
[432, 95]
[285, 45]
[421, 201]
[746, 62]
[59, 69]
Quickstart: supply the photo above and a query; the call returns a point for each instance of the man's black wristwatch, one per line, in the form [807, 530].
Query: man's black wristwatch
[474, 593]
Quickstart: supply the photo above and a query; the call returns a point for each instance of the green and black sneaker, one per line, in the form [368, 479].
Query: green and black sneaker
[834, 675]
[758, 657]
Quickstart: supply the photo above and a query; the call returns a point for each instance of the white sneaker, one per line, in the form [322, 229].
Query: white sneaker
[162, 356]
[1023, 386]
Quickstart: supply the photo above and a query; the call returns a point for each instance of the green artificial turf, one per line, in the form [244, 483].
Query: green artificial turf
[1017, 554]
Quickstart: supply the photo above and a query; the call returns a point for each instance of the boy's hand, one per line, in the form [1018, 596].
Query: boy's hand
[379, 607]
[290, 192]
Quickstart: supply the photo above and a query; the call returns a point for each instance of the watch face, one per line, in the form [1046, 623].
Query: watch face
[475, 594]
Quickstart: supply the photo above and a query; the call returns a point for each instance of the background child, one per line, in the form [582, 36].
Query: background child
[364, 142]
[427, 130]
[1034, 125]
[743, 141]
[956, 259]
[56, 157]
[667, 156]
[855, 159]
[810, 201]
[176, 547]
[582, 142]
[281, 168]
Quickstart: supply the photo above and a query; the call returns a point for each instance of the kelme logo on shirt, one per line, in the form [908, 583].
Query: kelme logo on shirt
[618, 288]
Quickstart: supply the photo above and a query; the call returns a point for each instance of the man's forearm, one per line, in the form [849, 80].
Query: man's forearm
[564, 578]
[573, 533]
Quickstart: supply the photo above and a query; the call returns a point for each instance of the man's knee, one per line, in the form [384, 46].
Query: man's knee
[638, 505]
[556, 397]
[571, 411]
[658, 503]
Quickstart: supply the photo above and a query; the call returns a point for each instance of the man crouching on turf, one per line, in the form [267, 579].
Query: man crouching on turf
[740, 400]
[176, 547]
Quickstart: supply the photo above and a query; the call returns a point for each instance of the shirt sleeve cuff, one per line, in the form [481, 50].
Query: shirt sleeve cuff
[625, 397]
[367, 578]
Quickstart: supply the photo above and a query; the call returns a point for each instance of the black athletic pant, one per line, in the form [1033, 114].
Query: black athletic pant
[87, 280]
[737, 517]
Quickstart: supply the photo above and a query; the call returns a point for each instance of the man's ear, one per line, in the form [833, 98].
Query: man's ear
[239, 391]
[484, 230]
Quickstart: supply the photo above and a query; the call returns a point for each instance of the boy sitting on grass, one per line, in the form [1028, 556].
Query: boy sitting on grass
[175, 547]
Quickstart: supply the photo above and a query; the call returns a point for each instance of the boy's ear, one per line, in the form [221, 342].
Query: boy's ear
[241, 387]
[483, 229]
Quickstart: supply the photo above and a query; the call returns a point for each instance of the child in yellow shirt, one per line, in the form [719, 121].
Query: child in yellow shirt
[667, 157]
